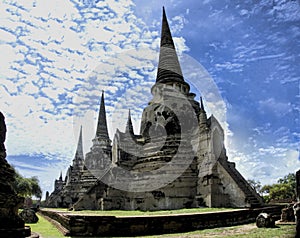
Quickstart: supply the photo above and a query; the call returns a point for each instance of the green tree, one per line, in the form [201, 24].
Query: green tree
[255, 185]
[35, 187]
[289, 179]
[285, 188]
[27, 187]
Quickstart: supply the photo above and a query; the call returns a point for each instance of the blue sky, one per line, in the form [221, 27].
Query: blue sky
[57, 56]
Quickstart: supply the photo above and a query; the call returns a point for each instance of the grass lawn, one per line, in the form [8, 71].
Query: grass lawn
[141, 213]
[45, 229]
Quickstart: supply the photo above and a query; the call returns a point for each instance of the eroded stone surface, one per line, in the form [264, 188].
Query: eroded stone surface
[296, 208]
[177, 161]
[10, 222]
[287, 214]
[265, 220]
[28, 215]
[298, 185]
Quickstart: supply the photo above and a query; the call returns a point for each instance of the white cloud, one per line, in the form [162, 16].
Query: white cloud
[6, 36]
[177, 23]
[233, 67]
[180, 45]
[265, 164]
[46, 79]
[49, 48]
[270, 105]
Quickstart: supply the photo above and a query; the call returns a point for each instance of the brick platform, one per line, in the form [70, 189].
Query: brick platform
[91, 225]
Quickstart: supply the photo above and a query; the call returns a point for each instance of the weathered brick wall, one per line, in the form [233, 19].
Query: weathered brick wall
[80, 225]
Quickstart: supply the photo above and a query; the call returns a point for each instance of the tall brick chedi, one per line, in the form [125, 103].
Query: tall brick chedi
[177, 161]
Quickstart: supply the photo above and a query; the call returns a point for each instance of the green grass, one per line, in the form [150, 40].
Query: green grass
[142, 213]
[45, 229]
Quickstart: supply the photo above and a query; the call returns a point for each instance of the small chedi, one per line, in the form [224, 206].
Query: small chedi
[177, 161]
[11, 225]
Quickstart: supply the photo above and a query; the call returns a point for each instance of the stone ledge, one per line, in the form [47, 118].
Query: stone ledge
[91, 225]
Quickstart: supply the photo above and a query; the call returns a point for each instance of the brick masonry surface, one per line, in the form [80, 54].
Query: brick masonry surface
[87, 225]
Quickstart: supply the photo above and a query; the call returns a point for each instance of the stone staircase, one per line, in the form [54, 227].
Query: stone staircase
[88, 179]
[252, 197]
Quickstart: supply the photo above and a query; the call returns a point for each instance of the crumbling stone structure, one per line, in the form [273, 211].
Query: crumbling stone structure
[178, 160]
[11, 225]
[296, 206]
[298, 185]
[77, 181]
[287, 213]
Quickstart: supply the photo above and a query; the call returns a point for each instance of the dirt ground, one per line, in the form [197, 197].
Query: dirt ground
[245, 229]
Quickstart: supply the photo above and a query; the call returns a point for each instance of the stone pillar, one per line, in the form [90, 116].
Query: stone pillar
[47, 195]
[297, 218]
[11, 225]
[2, 137]
[298, 185]
[287, 214]
[297, 205]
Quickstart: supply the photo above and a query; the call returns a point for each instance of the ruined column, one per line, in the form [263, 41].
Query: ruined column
[297, 205]
[11, 225]
[298, 185]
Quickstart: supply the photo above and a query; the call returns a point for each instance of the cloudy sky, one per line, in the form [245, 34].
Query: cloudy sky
[57, 56]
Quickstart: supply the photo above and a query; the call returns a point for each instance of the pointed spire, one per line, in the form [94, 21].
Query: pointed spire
[102, 131]
[60, 177]
[166, 35]
[129, 127]
[168, 66]
[201, 105]
[79, 150]
[202, 116]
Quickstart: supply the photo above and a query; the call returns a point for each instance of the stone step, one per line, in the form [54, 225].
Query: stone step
[250, 193]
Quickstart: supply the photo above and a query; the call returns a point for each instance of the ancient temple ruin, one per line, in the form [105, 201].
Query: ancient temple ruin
[11, 224]
[178, 160]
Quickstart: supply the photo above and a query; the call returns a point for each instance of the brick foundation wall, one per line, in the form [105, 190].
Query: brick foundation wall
[87, 225]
